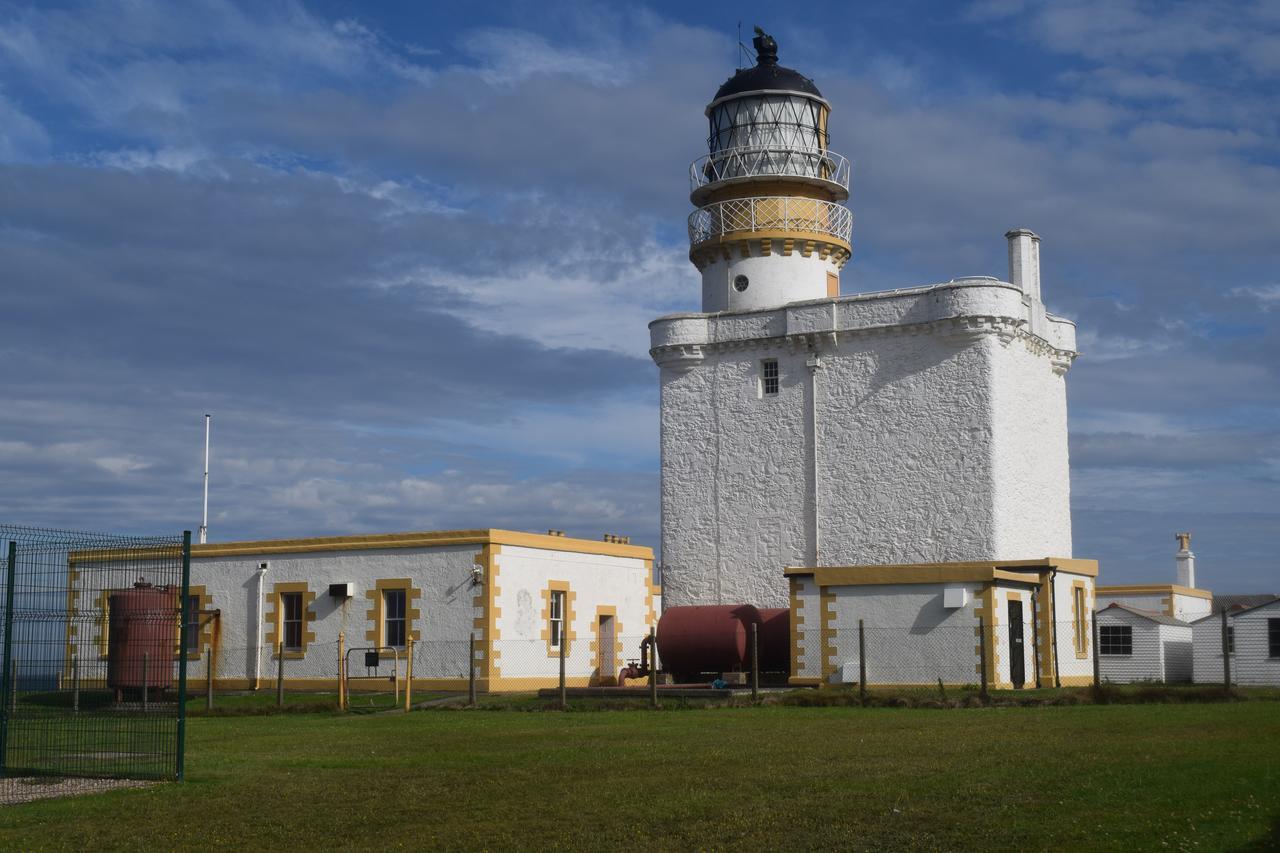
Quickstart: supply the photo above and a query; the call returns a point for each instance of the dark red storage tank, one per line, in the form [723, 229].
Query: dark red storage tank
[775, 639]
[710, 638]
[142, 621]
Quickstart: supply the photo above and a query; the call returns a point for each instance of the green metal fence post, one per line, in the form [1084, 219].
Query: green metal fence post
[9, 686]
[182, 652]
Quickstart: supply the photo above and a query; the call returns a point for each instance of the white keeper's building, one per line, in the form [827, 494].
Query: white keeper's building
[519, 595]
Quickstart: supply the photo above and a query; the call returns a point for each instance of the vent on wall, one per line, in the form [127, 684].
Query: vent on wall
[342, 590]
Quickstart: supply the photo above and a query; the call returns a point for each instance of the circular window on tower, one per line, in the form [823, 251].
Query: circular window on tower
[740, 283]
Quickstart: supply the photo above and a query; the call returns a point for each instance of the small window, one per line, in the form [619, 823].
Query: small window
[1231, 640]
[1115, 640]
[193, 623]
[769, 377]
[393, 617]
[555, 618]
[1273, 637]
[291, 607]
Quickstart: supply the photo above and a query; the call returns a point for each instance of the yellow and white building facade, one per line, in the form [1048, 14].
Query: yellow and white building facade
[510, 599]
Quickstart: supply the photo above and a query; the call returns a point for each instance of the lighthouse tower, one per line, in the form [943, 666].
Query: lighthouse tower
[803, 428]
[770, 227]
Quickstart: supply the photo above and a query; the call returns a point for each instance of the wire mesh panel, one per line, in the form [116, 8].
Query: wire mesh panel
[93, 658]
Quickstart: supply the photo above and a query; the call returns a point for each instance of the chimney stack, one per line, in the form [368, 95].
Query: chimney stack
[1186, 561]
[1024, 261]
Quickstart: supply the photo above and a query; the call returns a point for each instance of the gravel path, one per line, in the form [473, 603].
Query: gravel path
[24, 789]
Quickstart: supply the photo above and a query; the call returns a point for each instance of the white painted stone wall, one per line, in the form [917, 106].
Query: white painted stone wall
[1160, 652]
[771, 279]
[911, 637]
[1074, 667]
[1189, 608]
[447, 609]
[597, 581]
[941, 436]
[1003, 632]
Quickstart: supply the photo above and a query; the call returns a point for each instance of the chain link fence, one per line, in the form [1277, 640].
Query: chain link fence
[963, 657]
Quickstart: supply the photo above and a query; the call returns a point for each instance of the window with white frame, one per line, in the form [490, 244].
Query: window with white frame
[769, 376]
[1115, 640]
[1231, 639]
[555, 617]
[291, 621]
[1273, 637]
[393, 621]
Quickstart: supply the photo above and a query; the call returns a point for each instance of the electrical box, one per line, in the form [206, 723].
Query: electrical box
[954, 597]
[342, 590]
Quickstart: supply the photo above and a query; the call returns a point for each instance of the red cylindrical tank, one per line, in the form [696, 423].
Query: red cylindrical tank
[142, 622]
[775, 639]
[709, 638]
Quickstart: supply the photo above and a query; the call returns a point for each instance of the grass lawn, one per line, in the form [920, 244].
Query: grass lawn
[1112, 776]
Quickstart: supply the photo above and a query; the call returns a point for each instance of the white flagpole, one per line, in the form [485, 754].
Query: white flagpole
[204, 519]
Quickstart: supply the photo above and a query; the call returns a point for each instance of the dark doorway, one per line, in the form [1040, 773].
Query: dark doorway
[1017, 654]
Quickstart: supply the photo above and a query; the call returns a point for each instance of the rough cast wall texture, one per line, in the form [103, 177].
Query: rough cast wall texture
[941, 436]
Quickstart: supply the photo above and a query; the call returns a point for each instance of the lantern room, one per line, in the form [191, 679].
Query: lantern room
[769, 228]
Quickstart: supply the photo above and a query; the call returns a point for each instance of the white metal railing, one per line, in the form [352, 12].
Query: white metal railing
[765, 161]
[770, 213]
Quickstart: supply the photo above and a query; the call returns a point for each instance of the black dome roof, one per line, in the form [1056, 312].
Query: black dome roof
[767, 73]
[767, 77]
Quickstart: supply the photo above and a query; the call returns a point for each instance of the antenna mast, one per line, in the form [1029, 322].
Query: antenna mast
[204, 519]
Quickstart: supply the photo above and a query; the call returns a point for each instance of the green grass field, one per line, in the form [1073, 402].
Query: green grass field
[1115, 776]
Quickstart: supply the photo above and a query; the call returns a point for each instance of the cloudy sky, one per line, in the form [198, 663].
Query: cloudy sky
[407, 258]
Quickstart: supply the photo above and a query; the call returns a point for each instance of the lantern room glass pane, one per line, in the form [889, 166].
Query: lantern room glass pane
[784, 134]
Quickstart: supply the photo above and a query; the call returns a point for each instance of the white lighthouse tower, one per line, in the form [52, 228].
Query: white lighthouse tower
[769, 228]
[805, 428]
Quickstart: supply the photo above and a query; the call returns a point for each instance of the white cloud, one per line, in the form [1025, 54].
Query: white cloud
[1267, 296]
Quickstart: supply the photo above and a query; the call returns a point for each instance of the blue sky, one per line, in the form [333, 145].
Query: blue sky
[406, 256]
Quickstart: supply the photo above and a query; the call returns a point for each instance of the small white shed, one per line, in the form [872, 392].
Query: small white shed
[1253, 640]
[1142, 645]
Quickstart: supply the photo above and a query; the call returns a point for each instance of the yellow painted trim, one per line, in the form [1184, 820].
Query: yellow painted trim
[487, 600]
[1046, 631]
[828, 243]
[1087, 568]
[986, 635]
[603, 676]
[1080, 620]
[412, 615]
[772, 186]
[797, 620]
[1076, 681]
[798, 681]
[274, 617]
[827, 603]
[1155, 589]
[203, 630]
[567, 618]
[418, 539]
[651, 591]
[879, 575]
[73, 596]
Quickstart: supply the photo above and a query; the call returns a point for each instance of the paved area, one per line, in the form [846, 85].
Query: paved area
[25, 789]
